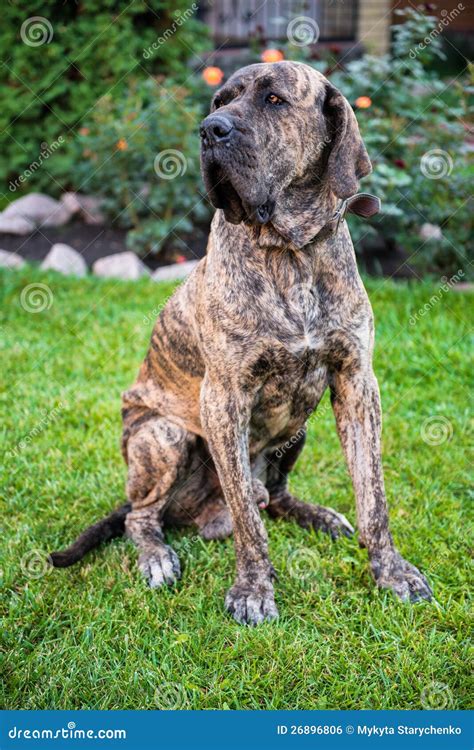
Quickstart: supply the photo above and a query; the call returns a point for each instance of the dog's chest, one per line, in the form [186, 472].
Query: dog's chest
[298, 324]
[287, 397]
[304, 339]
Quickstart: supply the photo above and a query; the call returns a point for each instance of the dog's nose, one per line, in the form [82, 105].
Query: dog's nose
[216, 129]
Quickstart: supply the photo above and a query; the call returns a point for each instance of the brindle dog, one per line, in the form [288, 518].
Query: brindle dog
[244, 350]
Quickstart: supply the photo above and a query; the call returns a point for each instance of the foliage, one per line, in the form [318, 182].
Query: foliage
[416, 134]
[57, 67]
[140, 153]
[95, 637]
[82, 81]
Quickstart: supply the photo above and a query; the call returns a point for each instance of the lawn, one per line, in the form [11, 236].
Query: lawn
[94, 636]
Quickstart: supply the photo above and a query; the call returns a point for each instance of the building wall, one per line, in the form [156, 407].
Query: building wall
[464, 21]
[375, 18]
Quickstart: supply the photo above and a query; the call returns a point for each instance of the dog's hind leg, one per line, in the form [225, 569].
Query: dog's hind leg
[215, 521]
[284, 505]
[159, 456]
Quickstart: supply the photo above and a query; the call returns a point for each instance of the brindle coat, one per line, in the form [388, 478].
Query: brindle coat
[244, 350]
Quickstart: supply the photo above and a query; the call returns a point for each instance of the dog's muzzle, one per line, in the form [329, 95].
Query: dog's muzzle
[226, 188]
[216, 129]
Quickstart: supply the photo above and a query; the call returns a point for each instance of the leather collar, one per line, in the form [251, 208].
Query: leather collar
[361, 204]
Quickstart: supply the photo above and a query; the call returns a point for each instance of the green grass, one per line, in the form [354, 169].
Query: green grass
[94, 636]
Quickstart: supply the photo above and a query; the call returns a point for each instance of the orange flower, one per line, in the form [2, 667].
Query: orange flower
[272, 55]
[84, 131]
[213, 76]
[122, 144]
[363, 102]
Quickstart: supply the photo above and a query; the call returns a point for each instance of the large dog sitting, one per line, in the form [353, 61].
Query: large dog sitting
[244, 350]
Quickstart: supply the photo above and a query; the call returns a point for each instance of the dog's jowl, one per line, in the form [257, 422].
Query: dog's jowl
[244, 350]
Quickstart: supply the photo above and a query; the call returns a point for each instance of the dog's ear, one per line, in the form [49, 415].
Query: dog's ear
[348, 160]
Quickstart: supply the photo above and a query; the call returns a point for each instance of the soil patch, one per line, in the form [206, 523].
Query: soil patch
[94, 242]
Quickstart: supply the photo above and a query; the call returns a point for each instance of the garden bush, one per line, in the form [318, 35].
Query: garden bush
[140, 153]
[124, 129]
[63, 56]
[415, 129]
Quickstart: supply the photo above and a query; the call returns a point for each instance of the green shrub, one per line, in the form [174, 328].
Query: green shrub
[416, 136]
[140, 152]
[61, 57]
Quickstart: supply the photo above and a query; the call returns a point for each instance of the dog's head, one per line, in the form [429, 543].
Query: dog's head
[280, 138]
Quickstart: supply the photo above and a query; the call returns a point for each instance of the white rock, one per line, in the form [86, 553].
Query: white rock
[127, 266]
[86, 206]
[39, 209]
[15, 225]
[174, 271]
[64, 259]
[463, 286]
[10, 260]
[430, 232]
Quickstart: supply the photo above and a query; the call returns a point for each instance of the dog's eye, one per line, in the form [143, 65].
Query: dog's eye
[274, 99]
[217, 103]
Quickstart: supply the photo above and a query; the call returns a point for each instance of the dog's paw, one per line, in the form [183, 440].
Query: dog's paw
[260, 494]
[251, 604]
[160, 566]
[391, 571]
[331, 522]
[218, 527]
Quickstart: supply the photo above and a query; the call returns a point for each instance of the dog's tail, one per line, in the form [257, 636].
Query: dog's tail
[109, 527]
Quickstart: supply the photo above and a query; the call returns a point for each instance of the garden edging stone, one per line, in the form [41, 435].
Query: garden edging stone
[64, 259]
[175, 271]
[126, 266]
[10, 260]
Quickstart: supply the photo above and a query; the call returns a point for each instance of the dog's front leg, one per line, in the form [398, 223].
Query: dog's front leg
[225, 414]
[356, 403]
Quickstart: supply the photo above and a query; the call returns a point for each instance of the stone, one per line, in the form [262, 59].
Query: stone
[175, 271]
[464, 286]
[86, 206]
[15, 225]
[39, 209]
[430, 232]
[10, 260]
[126, 266]
[64, 259]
